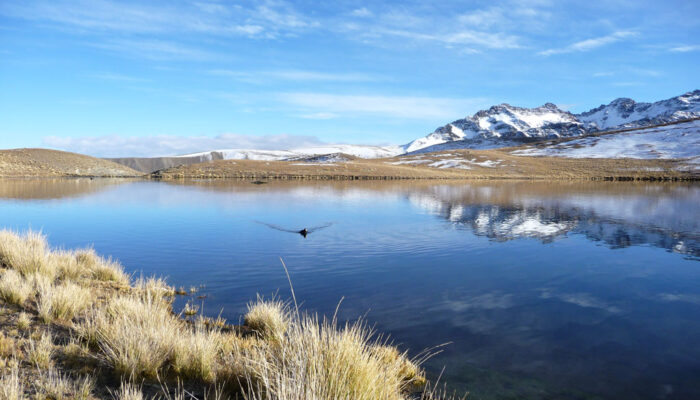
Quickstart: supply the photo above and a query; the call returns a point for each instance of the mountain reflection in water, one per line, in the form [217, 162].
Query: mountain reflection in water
[544, 290]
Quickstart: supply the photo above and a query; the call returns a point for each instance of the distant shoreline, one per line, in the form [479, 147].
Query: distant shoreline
[462, 164]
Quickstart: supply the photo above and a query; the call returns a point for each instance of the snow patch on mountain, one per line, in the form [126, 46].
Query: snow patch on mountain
[300, 153]
[505, 125]
[673, 141]
[626, 113]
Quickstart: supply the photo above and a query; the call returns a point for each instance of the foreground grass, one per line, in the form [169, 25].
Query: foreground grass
[75, 326]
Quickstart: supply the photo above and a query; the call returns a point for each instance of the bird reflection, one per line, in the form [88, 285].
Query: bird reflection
[303, 232]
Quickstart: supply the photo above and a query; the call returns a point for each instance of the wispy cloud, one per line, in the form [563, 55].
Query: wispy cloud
[432, 108]
[294, 75]
[164, 145]
[108, 76]
[590, 44]
[158, 50]
[265, 18]
[319, 115]
[685, 49]
[361, 12]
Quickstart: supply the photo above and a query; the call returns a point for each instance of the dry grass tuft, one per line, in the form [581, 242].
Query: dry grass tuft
[127, 391]
[318, 360]
[54, 385]
[23, 321]
[196, 354]
[7, 346]
[268, 318]
[14, 288]
[26, 253]
[102, 269]
[11, 386]
[62, 301]
[40, 353]
[136, 334]
[153, 287]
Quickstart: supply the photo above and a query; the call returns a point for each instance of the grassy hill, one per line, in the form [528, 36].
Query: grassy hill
[53, 163]
[448, 164]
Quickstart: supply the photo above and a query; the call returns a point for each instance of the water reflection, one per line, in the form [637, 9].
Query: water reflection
[619, 215]
[566, 290]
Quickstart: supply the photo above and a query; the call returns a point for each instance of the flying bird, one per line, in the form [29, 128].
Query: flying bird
[303, 232]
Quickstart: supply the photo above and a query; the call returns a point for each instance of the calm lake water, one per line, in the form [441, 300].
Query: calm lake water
[544, 290]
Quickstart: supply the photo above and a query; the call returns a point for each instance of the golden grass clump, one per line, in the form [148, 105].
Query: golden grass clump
[7, 346]
[40, 353]
[268, 318]
[54, 385]
[27, 253]
[14, 288]
[196, 354]
[136, 334]
[11, 386]
[23, 321]
[127, 391]
[100, 268]
[67, 265]
[153, 287]
[62, 302]
[317, 360]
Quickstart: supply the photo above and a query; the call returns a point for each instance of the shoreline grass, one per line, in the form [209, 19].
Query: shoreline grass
[75, 325]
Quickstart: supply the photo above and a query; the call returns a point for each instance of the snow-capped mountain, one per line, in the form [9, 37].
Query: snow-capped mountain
[625, 112]
[505, 122]
[506, 125]
[295, 154]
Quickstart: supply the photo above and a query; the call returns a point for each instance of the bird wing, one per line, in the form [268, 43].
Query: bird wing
[316, 228]
[279, 228]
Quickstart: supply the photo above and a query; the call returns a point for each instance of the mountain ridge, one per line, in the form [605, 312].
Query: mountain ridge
[508, 123]
[501, 125]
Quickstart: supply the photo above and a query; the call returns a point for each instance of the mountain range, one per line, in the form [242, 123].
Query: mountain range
[505, 124]
[501, 125]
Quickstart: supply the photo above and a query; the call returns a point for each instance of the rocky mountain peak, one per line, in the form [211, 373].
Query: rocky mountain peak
[504, 122]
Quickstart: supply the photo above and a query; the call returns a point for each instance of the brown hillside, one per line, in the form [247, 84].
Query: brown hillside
[53, 163]
[470, 164]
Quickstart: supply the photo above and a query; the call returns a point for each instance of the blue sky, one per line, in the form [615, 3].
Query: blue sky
[115, 78]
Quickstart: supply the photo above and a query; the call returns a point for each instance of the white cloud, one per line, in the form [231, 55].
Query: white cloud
[482, 18]
[461, 37]
[265, 19]
[361, 12]
[159, 50]
[165, 145]
[294, 75]
[319, 115]
[108, 76]
[685, 49]
[590, 44]
[430, 108]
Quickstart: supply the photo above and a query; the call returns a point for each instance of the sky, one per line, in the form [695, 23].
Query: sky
[148, 78]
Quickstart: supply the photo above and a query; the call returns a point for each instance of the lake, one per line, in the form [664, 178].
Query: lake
[539, 290]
